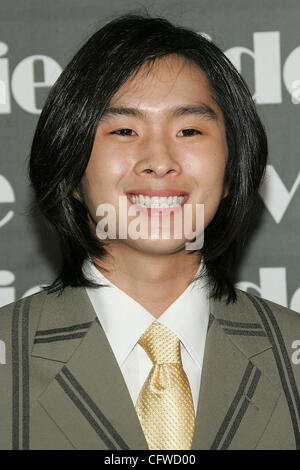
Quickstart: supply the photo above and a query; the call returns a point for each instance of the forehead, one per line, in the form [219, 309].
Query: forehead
[165, 80]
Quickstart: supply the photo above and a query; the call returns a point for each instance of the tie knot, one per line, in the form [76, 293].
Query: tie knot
[161, 344]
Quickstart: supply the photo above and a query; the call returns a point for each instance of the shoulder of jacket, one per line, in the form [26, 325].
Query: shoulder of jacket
[26, 307]
[250, 308]
[263, 308]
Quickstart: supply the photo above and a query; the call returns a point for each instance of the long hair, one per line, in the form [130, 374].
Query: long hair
[66, 129]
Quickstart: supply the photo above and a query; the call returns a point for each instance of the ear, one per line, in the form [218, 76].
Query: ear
[76, 194]
[225, 192]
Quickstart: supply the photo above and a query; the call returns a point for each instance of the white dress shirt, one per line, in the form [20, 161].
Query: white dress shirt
[124, 321]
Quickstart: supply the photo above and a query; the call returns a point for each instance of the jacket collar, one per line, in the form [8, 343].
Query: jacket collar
[89, 401]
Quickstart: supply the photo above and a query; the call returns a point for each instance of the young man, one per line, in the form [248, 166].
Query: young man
[142, 343]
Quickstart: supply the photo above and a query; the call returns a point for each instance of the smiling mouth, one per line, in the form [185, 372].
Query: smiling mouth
[154, 203]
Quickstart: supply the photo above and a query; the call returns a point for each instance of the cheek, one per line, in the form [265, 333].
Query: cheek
[105, 170]
[105, 167]
[207, 169]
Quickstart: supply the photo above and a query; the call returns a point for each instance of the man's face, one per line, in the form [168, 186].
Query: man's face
[154, 136]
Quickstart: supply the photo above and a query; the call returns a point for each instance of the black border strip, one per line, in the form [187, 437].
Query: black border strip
[243, 408]
[237, 324]
[233, 406]
[51, 339]
[79, 326]
[84, 411]
[88, 400]
[245, 332]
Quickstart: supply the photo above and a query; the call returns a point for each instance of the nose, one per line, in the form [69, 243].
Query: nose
[157, 157]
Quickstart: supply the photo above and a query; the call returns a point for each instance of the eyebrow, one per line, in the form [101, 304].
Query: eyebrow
[201, 109]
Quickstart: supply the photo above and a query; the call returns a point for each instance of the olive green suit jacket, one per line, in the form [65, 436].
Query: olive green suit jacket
[61, 387]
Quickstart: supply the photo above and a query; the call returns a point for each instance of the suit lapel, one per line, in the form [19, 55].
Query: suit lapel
[88, 399]
[236, 399]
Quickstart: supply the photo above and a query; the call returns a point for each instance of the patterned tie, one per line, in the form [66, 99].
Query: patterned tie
[165, 405]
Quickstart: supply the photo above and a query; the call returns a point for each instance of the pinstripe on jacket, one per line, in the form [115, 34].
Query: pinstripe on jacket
[61, 387]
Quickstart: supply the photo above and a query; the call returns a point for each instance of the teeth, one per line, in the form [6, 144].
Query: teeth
[157, 202]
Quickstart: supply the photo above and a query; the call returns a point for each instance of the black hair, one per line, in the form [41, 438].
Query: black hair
[66, 128]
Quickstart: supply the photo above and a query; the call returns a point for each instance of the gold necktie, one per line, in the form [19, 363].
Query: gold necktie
[165, 405]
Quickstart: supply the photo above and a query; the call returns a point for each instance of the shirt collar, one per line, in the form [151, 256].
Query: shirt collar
[124, 320]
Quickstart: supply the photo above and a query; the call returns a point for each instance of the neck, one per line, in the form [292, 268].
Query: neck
[155, 281]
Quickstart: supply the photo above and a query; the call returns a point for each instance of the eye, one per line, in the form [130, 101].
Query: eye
[124, 132]
[188, 132]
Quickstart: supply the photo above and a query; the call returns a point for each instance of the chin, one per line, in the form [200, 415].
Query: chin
[162, 247]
